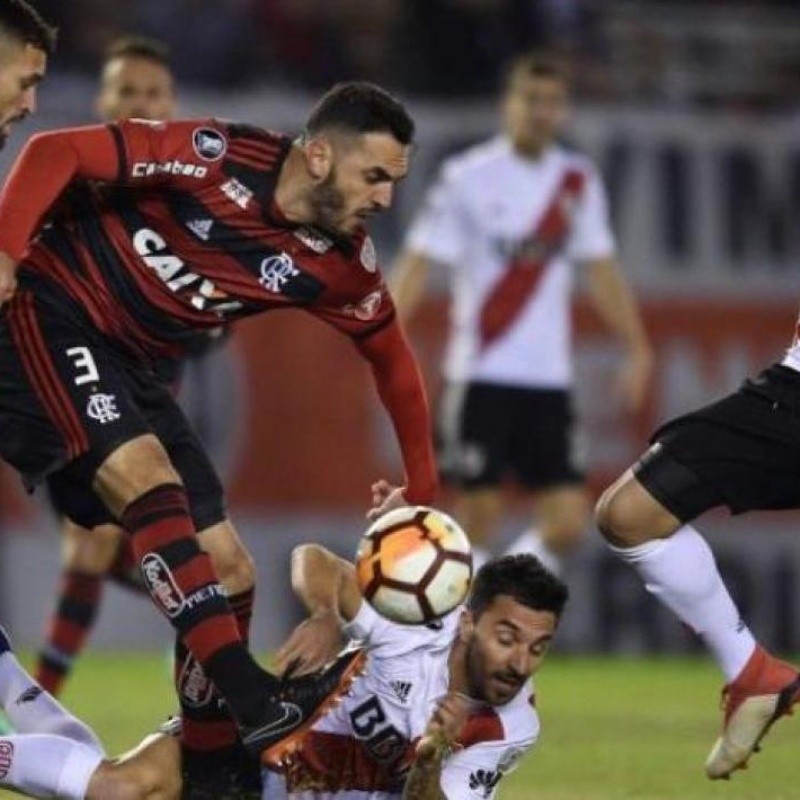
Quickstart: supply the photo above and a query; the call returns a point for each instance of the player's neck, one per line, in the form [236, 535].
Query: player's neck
[457, 668]
[293, 188]
[530, 152]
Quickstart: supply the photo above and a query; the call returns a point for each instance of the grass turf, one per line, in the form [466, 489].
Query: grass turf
[613, 729]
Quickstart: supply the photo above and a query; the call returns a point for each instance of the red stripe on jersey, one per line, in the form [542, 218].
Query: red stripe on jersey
[247, 161]
[334, 762]
[482, 726]
[255, 149]
[42, 374]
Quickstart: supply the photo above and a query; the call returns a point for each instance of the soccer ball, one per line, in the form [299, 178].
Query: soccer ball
[414, 565]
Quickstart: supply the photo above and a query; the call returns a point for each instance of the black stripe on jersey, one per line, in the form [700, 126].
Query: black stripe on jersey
[261, 181]
[116, 273]
[122, 173]
[248, 251]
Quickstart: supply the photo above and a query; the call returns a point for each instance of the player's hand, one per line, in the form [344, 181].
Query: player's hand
[385, 497]
[8, 277]
[312, 644]
[634, 379]
[445, 725]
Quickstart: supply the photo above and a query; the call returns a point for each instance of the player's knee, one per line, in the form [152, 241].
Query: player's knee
[232, 562]
[94, 551]
[567, 532]
[618, 515]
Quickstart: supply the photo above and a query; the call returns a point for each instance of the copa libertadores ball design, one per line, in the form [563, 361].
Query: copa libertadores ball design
[414, 565]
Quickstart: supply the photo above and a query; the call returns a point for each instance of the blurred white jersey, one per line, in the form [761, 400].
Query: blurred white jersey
[479, 218]
[362, 750]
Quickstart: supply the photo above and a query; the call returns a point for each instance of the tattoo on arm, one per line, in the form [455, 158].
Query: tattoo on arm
[424, 780]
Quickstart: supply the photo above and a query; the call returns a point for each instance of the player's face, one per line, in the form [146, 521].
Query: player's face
[360, 180]
[506, 645]
[22, 67]
[535, 110]
[136, 88]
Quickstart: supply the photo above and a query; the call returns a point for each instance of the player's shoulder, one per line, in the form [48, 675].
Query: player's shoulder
[479, 158]
[514, 723]
[253, 145]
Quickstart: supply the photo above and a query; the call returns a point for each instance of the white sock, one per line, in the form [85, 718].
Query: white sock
[30, 709]
[480, 555]
[530, 541]
[43, 765]
[681, 572]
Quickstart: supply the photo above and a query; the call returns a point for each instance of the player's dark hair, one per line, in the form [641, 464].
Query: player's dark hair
[361, 107]
[23, 22]
[535, 64]
[139, 47]
[521, 577]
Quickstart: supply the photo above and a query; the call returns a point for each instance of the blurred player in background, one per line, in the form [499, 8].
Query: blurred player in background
[512, 219]
[136, 82]
[443, 710]
[195, 224]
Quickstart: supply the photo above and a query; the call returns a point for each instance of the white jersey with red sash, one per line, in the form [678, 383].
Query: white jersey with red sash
[362, 749]
[511, 228]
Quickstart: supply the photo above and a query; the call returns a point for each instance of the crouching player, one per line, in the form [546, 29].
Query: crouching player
[52, 754]
[444, 710]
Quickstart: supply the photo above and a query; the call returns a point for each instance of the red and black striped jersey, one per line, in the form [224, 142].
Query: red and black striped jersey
[179, 232]
[189, 237]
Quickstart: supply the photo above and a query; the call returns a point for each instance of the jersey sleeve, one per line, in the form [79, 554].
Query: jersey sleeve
[440, 230]
[181, 153]
[591, 236]
[475, 772]
[132, 152]
[389, 640]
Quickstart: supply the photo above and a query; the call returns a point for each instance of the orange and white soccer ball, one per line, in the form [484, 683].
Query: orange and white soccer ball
[414, 565]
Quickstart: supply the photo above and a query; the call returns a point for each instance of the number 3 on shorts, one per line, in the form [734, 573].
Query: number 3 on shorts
[85, 367]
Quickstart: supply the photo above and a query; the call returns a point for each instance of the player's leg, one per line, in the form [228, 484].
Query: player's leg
[151, 771]
[66, 399]
[208, 726]
[719, 455]
[474, 443]
[547, 457]
[86, 558]
[561, 517]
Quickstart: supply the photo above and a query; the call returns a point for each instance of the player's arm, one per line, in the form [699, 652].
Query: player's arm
[407, 282]
[617, 307]
[326, 586]
[425, 779]
[400, 386]
[119, 154]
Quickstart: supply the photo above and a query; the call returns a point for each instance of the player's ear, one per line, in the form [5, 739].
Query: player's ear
[319, 157]
[466, 626]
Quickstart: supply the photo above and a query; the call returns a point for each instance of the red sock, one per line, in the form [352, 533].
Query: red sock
[182, 583]
[72, 620]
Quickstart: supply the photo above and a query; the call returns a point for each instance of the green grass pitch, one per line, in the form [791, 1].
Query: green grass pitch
[612, 729]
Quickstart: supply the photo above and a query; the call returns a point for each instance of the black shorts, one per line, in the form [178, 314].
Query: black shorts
[488, 432]
[68, 399]
[742, 452]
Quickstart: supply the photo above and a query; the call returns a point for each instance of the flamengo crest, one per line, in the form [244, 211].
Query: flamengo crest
[276, 272]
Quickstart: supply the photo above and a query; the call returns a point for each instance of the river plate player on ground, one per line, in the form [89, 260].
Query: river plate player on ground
[198, 223]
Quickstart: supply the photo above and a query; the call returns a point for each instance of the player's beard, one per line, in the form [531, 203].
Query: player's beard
[327, 203]
[479, 677]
